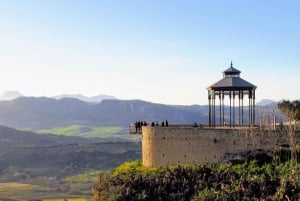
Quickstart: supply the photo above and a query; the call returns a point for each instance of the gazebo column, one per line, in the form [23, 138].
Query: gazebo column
[250, 107]
[223, 107]
[239, 108]
[249, 110]
[209, 108]
[220, 101]
[242, 98]
[254, 107]
[214, 108]
[230, 108]
[233, 108]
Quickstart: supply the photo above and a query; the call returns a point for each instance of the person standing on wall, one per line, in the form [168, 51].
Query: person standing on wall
[136, 126]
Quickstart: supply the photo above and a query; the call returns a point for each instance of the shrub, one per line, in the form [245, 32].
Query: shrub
[247, 181]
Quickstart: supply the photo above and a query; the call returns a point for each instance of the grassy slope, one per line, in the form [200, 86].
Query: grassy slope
[22, 192]
[86, 131]
[82, 183]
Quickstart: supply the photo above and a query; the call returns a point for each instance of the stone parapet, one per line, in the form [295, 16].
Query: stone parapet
[185, 145]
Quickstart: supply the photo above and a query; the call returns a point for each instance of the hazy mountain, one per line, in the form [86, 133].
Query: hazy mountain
[95, 99]
[39, 112]
[10, 95]
[264, 102]
[127, 111]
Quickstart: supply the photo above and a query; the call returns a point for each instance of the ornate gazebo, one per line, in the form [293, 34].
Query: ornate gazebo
[234, 87]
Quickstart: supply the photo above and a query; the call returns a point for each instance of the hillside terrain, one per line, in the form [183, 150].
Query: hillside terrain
[12, 138]
[38, 113]
[44, 113]
[53, 155]
[45, 162]
[57, 161]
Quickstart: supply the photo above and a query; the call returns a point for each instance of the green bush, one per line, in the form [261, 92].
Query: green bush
[251, 180]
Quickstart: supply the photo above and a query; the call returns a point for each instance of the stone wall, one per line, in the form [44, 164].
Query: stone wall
[184, 145]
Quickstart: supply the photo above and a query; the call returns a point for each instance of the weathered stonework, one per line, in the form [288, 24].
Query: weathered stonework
[185, 145]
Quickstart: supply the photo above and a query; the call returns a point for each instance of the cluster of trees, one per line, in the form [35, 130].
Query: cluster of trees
[291, 109]
[251, 180]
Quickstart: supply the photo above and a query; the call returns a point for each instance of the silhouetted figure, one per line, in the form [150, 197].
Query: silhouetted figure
[136, 126]
[162, 123]
[139, 126]
[152, 124]
[145, 123]
[156, 124]
[167, 123]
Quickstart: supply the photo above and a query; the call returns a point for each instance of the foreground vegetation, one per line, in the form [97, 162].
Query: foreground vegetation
[254, 179]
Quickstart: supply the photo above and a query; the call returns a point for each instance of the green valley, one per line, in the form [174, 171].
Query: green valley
[72, 188]
[58, 167]
[87, 131]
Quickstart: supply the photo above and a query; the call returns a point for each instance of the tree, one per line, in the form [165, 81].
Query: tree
[292, 110]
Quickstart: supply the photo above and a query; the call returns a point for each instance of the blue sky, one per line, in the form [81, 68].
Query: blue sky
[159, 51]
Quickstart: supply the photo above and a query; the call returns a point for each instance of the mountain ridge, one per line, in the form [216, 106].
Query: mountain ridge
[10, 95]
[36, 113]
[13, 94]
[264, 102]
[92, 99]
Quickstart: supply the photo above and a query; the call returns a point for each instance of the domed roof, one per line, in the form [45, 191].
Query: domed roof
[232, 81]
[231, 71]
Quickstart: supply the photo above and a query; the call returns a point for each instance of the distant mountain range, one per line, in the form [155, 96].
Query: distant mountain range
[92, 99]
[10, 95]
[264, 102]
[36, 113]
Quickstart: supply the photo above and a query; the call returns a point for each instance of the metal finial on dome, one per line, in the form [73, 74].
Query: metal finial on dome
[231, 71]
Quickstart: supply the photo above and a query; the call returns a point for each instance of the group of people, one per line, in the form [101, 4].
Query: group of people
[163, 123]
[139, 124]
